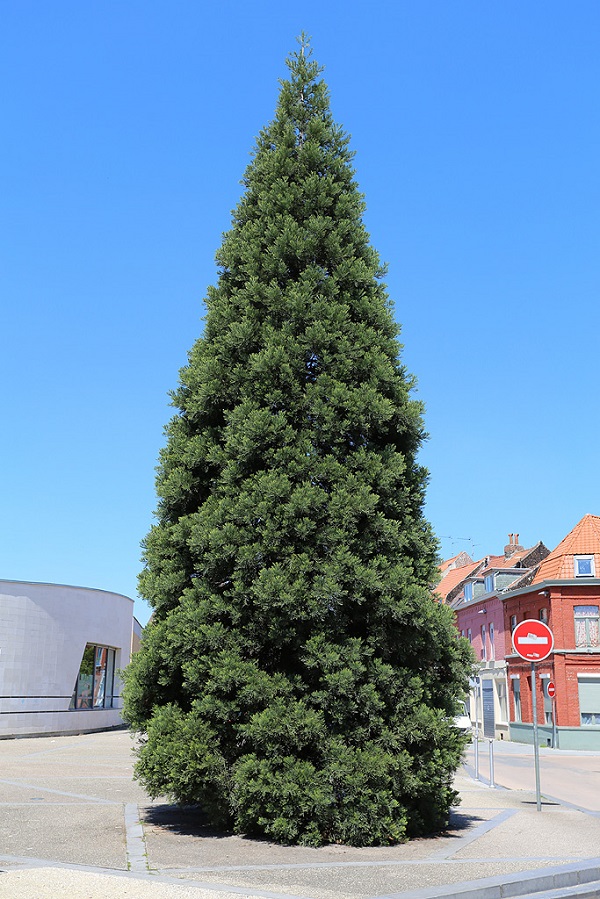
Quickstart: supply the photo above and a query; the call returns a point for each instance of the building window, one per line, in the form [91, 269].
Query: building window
[469, 635]
[590, 718]
[492, 649]
[501, 690]
[513, 622]
[95, 682]
[587, 626]
[584, 566]
[543, 616]
[589, 700]
[516, 685]
[468, 592]
[488, 583]
[483, 646]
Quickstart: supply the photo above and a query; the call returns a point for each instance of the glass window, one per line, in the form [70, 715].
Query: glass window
[590, 718]
[468, 592]
[82, 693]
[488, 583]
[483, 645]
[587, 626]
[589, 700]
[501, 690]
[516, 685]
[584, 566]
[95, 681]
[543, 616]
[99, 676]
[110, 679]
[469, 635]
[513, 622]
[492, 648]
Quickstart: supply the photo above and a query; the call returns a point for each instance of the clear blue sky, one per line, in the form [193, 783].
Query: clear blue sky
[126, 127]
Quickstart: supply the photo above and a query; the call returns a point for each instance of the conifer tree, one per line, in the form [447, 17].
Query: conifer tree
[297, 680]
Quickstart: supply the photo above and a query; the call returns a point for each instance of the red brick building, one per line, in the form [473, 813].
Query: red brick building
[564, 591]
[473, 590]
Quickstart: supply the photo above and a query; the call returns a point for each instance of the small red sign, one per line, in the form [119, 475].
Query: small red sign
[551, 690]
[533, 640]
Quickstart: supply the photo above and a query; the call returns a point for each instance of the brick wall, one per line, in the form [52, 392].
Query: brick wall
[565, 663]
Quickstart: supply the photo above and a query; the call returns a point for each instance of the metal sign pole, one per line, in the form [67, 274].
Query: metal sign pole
[536, 748]
[534, 641]
[477, 682]
[492, 782]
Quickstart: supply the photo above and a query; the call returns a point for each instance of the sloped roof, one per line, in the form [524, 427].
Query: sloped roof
[495, 562]
[454, 577]
[583, 540]
[457, 561]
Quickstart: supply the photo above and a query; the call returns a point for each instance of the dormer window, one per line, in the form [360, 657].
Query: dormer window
[584, 566]
[468, 592]
[489, 583]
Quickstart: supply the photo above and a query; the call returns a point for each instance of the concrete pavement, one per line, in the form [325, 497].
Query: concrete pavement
[72, 819]
[572, 778]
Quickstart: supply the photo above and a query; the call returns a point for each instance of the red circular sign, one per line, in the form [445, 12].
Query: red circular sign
[533, 640]
[551, 690]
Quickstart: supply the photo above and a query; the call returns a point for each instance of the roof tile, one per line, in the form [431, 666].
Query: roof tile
[583, 540]
[454, 577]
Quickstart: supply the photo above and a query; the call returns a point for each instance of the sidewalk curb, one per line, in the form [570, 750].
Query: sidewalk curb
[505, 886]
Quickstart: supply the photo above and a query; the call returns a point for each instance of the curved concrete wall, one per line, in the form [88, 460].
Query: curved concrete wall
[44, 629]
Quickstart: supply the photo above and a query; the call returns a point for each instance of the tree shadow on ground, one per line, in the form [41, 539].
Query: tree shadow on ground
[462, 821]
[190, 821]
[457, 823]
[187, 820]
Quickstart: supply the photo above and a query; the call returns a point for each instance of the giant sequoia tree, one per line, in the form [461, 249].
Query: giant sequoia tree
[297, 679]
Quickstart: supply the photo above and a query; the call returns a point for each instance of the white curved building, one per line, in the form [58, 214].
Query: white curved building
[60, 652]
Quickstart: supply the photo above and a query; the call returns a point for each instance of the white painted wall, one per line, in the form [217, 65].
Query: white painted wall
[44, 629]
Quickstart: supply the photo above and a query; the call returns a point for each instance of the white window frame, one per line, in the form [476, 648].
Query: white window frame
[585, 559]
[517, 698]
[502, 699]
[589, 717]
[581, 617]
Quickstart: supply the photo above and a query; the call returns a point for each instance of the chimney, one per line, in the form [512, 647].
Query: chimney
[513, 546]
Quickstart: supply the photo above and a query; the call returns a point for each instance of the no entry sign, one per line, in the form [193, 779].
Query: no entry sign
[533, 640]
[551, 689]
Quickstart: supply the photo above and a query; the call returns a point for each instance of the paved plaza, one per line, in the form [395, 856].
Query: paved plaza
[74, 820]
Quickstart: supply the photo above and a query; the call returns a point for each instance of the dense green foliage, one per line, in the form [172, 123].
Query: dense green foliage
[297, 679]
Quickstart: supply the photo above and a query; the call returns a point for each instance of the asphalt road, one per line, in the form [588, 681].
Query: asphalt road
[572, 777]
